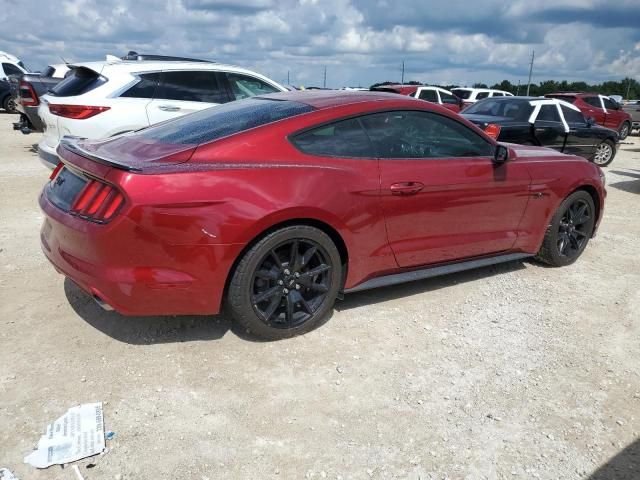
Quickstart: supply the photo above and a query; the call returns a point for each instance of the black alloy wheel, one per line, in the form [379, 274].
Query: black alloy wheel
[286, 283]
[290, 283]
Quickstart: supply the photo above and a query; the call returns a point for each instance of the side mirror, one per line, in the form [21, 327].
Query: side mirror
[501, 154]
[590, 121]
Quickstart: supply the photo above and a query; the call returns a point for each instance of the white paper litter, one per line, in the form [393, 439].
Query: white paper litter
[79, 433]
[5, 474]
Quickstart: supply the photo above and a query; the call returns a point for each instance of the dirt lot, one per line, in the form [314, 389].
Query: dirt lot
[515, 371]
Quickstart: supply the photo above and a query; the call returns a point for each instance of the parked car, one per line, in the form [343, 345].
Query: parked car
[278, 204]
[428, 93]
[602, 109]
[10, 65]
[102, 99]
[633, 109]
[28, 88]
[544, 122]
[470, 96]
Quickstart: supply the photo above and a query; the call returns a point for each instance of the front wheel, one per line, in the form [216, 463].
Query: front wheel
[9, 104]
[604, 153]
[569, 231]
[286, 284]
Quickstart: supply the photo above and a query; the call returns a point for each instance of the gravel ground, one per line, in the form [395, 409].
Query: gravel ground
[514, 371]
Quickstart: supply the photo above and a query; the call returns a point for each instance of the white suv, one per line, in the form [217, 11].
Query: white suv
[103, 99]
[10, 65]
[472, 95]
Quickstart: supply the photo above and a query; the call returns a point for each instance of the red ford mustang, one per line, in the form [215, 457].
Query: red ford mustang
[277, 205]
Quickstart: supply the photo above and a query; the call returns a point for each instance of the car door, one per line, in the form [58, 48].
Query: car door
[186, 91]
[580, 140]
[612, 118]
[594, 109]
[442, 195]
[548, 127]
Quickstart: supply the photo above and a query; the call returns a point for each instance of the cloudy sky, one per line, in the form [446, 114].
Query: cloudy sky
[359, 41]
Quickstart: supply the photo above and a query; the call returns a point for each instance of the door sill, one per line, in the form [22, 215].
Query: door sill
[421, 274]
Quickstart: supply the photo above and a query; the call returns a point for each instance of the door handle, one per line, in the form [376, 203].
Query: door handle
[406, 188]
[169, 108]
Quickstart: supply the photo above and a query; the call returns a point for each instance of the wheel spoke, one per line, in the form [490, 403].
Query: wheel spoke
[579, 233]
[275, 257]
[316, 271]
[298, 298]
[273, 306]
[290, 309]
[318, 287]
[271, 292]
[293, 257]
[308, 255]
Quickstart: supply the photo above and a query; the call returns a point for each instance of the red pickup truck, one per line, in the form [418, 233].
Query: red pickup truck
[601, 108]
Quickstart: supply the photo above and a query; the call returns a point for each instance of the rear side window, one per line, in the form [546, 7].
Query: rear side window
[549, 113]
[482, 95]
[192, 86]
[497, 94]
[610, 104]
[429, 96]
[48, 72]
[81, 80]
[218, 122]
[344, 139]
[244, 86]
[145, 88]
[593, 101]
[10, 69]
[571, 116]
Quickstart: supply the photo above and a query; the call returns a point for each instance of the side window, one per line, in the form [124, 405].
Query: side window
[192, 86]
[412, 134]
[497, 94]
[481, 95]
[428, 95]
[447, 98]
[548, 113]
[572, 116]
[609, 104]
[593, 101]
[10, 69]
[341, 139]
[244, 86]
[145, 88]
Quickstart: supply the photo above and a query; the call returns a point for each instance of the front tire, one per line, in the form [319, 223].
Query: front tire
[569, 231]
[605, 153]
[286, 284]
[9, 104]
[624, 131]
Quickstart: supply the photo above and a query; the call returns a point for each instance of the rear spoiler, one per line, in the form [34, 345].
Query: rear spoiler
[70, 143]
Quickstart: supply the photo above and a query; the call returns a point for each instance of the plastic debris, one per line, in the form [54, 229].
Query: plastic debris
[76, 470]
[79, 433]
[109, 435]
[5, 474]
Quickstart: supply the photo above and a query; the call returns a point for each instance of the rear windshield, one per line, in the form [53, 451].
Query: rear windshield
[221, 121]
[48, 72]
[463, 94]
[81, 80]
[512, 109]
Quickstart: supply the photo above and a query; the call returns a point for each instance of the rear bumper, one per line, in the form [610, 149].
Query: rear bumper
[132, 271]
[48, 155]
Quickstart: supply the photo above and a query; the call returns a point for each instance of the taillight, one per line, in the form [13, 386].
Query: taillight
[28, 96]
[77, 112]
[56, 170]
[492, 130]
[97, 202]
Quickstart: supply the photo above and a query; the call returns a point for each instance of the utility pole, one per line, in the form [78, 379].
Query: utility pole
[518, 90]
[324, 84]
[533, 56]
[628, 88]
[288, 81]
[402, 81]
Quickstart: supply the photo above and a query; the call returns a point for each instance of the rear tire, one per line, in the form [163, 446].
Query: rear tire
[9, 104]
[604, 154]
[624, 131]
[286, 284]
[569, 230]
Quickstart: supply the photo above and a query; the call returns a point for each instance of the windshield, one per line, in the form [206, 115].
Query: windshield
[221, 121]
[512, 109]
[460, 93]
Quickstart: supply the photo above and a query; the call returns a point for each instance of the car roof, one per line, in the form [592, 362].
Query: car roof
[577, 94]
[133, 66]
[321, 99]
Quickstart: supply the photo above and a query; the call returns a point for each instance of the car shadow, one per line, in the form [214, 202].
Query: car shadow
[32, 148]
[624, 466]
[154, 329]
[394, 292]
[631, 186]
[137, 330]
